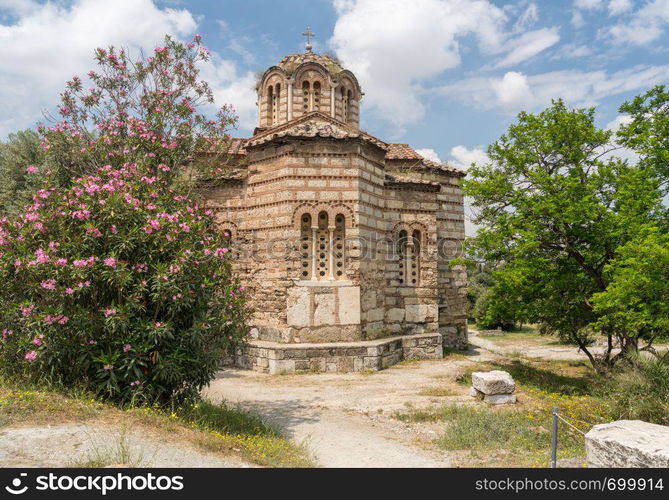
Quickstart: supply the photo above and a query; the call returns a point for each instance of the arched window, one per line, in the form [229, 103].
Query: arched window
[408, 250]
[414, 276]
[316, 98]
[322, 246]
[270, 104]
[349, 96]
[306, 264]
[402, 253]
[344, 105]
[275, 104]
[306, 95]
[339, 246]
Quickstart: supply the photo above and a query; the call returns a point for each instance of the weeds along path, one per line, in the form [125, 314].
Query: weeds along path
[345, 420]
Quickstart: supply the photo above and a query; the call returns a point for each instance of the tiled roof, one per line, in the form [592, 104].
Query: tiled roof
[401, 151]
[395, 151]
[237, 146]
[290, 62]
[314, 124]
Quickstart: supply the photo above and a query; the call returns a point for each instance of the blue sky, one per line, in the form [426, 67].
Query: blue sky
[447, 76]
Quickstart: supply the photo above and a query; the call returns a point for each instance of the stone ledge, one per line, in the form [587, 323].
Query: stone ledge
[275, 357]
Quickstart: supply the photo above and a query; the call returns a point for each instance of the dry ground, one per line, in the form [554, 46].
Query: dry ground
[351, 420]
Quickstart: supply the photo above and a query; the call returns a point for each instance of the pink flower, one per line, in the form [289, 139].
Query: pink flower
[6, 333]
[108, 367]
[110, 262]
[93, 231]
[48, 284]
[109, 312]
[113, 229]
[220, 252]
[61, 262]
[135, 383]
[69, 291]
[91, 342]
[159, 324]
[127, 347]
[38, 340]
[32, 169]
[31, 356]
[27, 311]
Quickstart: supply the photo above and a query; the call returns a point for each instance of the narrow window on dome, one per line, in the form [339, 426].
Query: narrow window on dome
[344, 105]
[316, 98]
[275, 104]
[270, 104]
[306, 95]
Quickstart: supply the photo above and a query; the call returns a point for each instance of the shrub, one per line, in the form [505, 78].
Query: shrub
[119, 283]
[642, 392]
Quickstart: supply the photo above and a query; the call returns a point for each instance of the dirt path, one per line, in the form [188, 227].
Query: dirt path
[531, 350]
[97, 444]
[345, 420]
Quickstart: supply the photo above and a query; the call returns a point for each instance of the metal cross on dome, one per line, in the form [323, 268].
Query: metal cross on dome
[309, 34]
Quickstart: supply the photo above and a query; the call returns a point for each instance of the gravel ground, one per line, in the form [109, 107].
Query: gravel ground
[345, 419]
[70, 445]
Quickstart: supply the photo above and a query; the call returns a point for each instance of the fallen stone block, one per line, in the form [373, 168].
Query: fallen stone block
[628, 443]
[493, 382]
[500, 399]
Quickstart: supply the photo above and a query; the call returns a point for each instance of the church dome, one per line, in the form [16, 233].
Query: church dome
[305, 83]
[292, 61]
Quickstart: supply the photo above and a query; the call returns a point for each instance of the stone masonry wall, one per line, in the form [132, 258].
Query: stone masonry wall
[342, 177]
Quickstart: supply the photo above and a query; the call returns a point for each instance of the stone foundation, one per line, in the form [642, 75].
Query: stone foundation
[275, 358]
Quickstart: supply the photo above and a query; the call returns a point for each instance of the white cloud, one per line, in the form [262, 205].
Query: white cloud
[393, 45]
[429, 154]
[529, 16]
[512, 89]
[588, 4]
[624, 153]
[571, 51]
[641, 27]
[528, 45]
[620, 120]
[463, 157]
[44, 44]
[577, 20]
[617, 7]
[515, 91]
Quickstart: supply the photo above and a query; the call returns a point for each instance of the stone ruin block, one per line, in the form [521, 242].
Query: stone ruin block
[628, 443]
[493, 382]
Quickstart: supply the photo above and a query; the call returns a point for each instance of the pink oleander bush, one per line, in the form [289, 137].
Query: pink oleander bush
[113, 278]
[119, 283]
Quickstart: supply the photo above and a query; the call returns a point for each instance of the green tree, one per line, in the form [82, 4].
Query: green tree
[553, 207]
[648, 132]
[636, 300]
[21, 149]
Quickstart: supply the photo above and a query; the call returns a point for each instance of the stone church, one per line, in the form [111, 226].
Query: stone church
[342, 240]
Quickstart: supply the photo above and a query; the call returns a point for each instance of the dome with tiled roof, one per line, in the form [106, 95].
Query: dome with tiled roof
[293, 61]
[304, 83]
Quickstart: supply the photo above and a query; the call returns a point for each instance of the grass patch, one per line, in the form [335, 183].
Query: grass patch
[217, 428]
[438, 391]
[476, 428]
